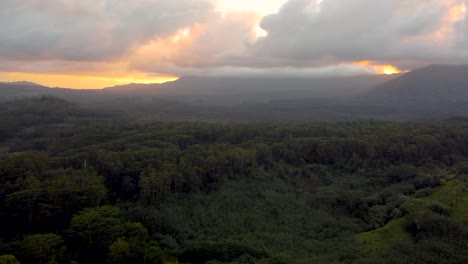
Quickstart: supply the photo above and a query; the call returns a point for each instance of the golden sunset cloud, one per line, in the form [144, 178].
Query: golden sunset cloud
[379, 68]
[89, 45]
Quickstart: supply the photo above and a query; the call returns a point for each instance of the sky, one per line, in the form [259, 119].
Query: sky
[101, 43]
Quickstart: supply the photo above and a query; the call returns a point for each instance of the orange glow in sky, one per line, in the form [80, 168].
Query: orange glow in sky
[83, 81]
[457, 12]
[378, 68]
[363, 63]
[389, 70]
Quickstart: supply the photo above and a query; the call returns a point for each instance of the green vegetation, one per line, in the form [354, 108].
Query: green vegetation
[394, 231]
[450, 199]
[76, 187]
[8, 259]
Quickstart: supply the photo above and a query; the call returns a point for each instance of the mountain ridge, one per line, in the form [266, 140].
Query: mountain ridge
[231, 90]
[432, 84]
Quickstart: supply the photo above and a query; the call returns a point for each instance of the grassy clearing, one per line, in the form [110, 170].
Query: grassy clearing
[452, 194]
[391, 232]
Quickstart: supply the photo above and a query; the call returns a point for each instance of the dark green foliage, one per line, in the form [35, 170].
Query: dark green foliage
[47, 203]
[43, 248]
[97, 227]
[77, 187]
[433, 227]
[434, 252]
[227, 251]
[95, 230]
[404, 172]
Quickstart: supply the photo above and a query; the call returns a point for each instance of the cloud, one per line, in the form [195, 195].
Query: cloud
[330, 31]
[90, 29]
[217, 37]
[261, 7]
[314, 36]
[273, 72]
[220, 41]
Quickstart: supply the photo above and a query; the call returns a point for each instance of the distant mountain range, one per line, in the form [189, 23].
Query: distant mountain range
[232, 90]
[221, 90]
[436, 91]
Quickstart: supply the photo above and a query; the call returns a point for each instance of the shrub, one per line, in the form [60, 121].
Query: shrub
[440, 208]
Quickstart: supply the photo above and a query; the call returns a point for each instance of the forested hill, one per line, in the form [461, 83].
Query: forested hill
[20, 114]
[101, 190]
[434, 84]
[20, 89]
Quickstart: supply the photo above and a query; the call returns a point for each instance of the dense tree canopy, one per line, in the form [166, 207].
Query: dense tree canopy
[75, 186]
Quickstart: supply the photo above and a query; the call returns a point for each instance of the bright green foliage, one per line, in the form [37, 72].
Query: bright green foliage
[428, 225]
[394, 231]
[119, 252]
[8, 259]
[454, 196]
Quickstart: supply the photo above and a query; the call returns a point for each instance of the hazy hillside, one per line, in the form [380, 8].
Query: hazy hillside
[433, 92]
[216, 89]
[432, 84]
[15, 89]
[241, 90]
